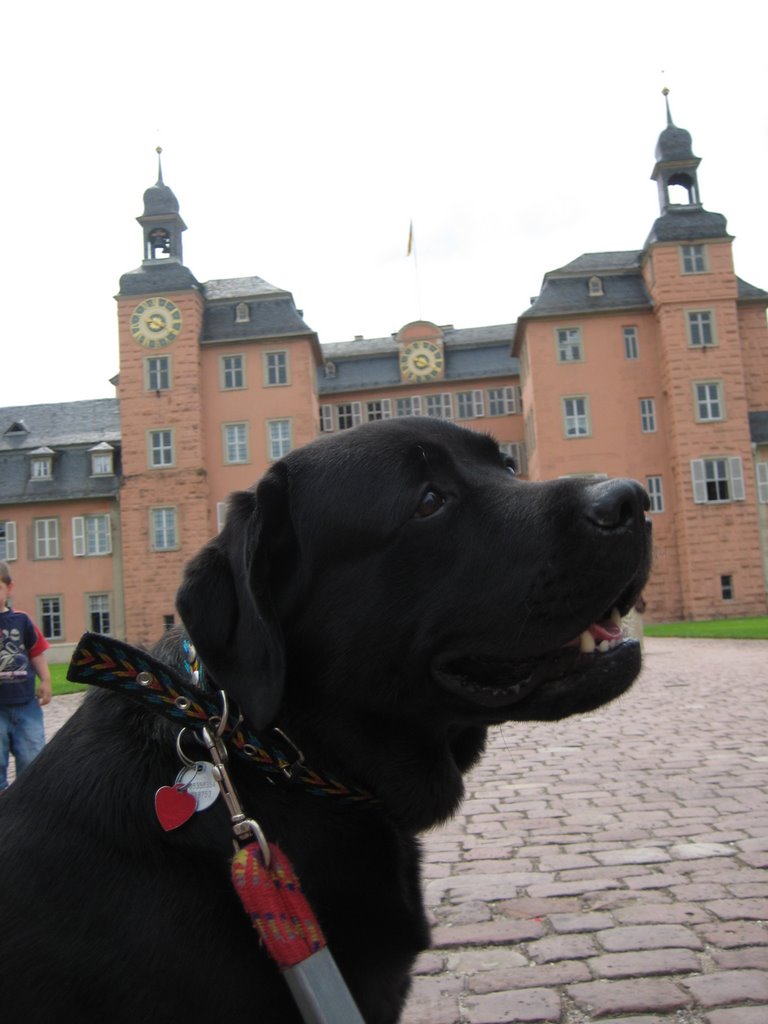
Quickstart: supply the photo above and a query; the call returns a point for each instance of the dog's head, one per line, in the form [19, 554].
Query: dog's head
[400, 570]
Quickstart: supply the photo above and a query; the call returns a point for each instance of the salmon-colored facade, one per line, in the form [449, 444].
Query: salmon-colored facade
[650, 363]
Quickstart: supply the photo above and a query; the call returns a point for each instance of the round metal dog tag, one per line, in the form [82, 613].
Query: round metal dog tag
[199, 780]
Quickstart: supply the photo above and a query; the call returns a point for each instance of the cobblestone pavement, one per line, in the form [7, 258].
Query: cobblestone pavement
[610, 867]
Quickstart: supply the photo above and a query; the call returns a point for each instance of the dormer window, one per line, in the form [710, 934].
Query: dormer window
[242, 313]
[17, 427]
[102, 459]
[41, 464]
[596, 287]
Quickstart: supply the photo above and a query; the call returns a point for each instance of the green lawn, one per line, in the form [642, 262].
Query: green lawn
[59, 682]
[733, 629]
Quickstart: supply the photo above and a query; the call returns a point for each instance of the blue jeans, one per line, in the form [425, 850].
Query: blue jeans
[22, 734]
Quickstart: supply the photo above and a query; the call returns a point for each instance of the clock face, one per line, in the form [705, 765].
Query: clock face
[156, 322]
[421, 360]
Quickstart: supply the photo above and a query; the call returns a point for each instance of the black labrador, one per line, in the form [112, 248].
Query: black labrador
[383, 595]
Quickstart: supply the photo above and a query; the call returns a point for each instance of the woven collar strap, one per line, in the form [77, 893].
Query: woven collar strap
[114, 665]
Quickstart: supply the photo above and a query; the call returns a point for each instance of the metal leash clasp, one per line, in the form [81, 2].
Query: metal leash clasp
[243, 828]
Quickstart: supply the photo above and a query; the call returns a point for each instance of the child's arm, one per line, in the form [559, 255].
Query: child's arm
[40, 665]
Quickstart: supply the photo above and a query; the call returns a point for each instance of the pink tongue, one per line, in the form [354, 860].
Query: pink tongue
[606, 630]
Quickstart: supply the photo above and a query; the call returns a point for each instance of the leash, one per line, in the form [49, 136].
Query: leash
[261, 873]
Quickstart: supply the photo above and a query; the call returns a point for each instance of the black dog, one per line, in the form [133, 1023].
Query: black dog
[383, 596]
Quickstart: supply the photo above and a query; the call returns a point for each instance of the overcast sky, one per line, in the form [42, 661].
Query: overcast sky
[302, 137]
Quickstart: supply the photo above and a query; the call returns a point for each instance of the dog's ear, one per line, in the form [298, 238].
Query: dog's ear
[226, 601]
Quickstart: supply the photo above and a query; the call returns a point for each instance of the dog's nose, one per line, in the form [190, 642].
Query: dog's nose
[616, 503]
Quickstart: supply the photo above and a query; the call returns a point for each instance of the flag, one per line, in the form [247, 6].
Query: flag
[410, 240]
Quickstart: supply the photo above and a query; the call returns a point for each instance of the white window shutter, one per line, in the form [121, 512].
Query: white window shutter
[518, 399]
[737, 478]
[326, 418]
[357, 414]
[221, 509]
[109, 535]
[417, 405]
[699, 481]
[78, 535]
[762, 483]
[386, 408]
[477, 401]
[10, 538]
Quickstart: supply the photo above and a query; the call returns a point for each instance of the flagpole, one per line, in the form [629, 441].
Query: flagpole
[411, 251]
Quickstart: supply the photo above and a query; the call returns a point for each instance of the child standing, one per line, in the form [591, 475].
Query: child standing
[21, 659]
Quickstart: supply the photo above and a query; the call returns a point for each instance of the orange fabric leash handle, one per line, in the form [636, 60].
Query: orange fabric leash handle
[272, 897]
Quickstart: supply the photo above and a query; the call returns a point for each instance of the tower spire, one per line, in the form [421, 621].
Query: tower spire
[159, 151]
[665, 94]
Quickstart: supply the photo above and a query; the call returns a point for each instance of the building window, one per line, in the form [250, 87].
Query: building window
[242, 313]
[709, 400]
[168, 622]
[91, 535]
[275, 368]
[762, 485]
[378, 410]
[49, 616]
[631, 344]
[8, 540]
[409, 406]
[576, 416]
[235, 443]
[503, 401]
[648, 415]
[160, 448]
[469, 405]
[46, 538]
[157, 373]
[693, 259]
[232, 370]
[726, 587]
[655, 493]
[349, 415]
[221, 515]
[164, 531]
[99, 616]
[440, 406]
[595, 287]
[41, 467]
[568, 344]
[279, 438]
[102, 460]
[516, 452]
[717, 480]
[701, 328]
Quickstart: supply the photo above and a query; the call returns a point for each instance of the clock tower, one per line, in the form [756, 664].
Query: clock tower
[165, 512]
[421, 353]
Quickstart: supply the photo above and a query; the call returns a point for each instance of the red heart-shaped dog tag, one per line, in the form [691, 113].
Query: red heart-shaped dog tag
[173, 806]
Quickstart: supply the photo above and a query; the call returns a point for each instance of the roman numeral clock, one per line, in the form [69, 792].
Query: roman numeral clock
[421, 360]
[156, 322]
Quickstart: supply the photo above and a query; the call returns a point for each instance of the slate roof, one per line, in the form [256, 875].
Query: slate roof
[158, 276]
[687, 223]
[750, 292]
[60, 424]
[70, 429]
[566, 290]
[470, 353]
[273, 313]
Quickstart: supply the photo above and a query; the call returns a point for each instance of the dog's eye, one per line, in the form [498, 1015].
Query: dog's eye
[430, 503]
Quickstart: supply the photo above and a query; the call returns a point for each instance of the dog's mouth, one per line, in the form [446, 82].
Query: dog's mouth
[591, 669]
